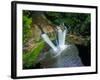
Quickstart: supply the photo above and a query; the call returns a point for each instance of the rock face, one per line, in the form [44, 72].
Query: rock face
[39, 19]
[68, 58]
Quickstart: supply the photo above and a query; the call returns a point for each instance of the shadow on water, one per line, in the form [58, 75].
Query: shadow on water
[84, 53]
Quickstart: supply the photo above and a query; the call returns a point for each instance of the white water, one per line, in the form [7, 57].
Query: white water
[49, 42]
[64, 37]
[60, 37]
[61, 41]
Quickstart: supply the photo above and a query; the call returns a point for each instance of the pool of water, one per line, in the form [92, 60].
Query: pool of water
[69, 57]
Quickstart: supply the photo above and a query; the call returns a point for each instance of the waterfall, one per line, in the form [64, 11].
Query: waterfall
[61, 35]
[49, 42]
[64, 36]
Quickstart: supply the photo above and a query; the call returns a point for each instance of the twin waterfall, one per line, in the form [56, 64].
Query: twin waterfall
[61, 35]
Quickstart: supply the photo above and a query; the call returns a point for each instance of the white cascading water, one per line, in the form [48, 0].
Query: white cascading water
[49, 42]
[64, 37]
[60, 37]
[61, 40]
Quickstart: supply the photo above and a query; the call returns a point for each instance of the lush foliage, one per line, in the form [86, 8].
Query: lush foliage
[31, 57]
[27, 33]
[78, 23]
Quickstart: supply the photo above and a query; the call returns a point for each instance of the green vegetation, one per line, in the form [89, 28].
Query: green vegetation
[77, 23]
[29, 59]
[27, 33]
